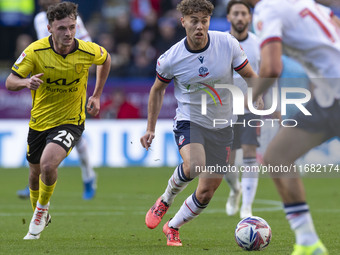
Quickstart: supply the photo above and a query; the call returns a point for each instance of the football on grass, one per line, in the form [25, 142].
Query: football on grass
[253, 234]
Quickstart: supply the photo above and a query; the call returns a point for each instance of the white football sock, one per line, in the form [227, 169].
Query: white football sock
[301, 223]
[177, 182]
[189, 210]
[232, 179]
[249, 181]
[87, 171]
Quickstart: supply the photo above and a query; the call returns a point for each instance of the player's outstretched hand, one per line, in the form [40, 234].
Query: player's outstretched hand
[93, 106]
[146, 139]
[34, 82]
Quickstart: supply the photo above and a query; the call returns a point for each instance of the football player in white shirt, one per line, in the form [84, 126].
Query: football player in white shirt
[88, 173]
[245, 137]
[305, 31]
[197, 64]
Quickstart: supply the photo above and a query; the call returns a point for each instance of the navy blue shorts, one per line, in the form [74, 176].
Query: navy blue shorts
[217, 143]
[322, 120]
[244, 134]
[66, 136]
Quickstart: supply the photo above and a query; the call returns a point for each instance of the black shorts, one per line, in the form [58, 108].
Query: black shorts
[323, 120]
[245, 134]
[216, 143]
[65, 135]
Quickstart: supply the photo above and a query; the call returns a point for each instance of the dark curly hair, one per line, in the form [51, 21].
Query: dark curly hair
[61, 11]
[188, 7]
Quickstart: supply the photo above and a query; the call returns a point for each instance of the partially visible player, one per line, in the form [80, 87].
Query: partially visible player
[245, 137]
[55, 69]
[88, 173]
[306, 31]
[196, 63]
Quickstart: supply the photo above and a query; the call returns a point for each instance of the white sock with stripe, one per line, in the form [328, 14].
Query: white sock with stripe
[301, 223]
[189, 210]
[177, 182]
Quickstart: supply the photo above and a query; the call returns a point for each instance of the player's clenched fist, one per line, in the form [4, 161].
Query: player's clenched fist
[34, 82]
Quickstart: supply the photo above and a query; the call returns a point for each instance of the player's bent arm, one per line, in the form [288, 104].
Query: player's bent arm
[249, 75]
[93, 105]
[270, 67]
[155, 103]
[154, 107]
[15, 83]
[247, 72]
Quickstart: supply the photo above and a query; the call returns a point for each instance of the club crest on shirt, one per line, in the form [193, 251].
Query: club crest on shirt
[20, 58]
[203, 71]
[79, 67]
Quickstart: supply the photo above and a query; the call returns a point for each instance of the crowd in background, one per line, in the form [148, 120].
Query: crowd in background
[135, 32]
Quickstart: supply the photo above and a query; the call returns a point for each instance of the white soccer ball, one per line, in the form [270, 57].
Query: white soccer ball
[253, 234]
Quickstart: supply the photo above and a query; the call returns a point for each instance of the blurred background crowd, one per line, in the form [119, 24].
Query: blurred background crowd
[135, 33]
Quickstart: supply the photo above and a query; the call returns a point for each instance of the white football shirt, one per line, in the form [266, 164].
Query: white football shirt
[309, 36]
[197, 72]
[40, 25]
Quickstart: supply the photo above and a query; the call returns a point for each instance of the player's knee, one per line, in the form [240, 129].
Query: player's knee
[205, 195]
[192, 167]
[47, 167]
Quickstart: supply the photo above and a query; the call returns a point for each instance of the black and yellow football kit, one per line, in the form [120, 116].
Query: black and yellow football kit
[61, 97]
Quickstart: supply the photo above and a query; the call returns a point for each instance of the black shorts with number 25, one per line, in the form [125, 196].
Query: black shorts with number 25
[66, 136]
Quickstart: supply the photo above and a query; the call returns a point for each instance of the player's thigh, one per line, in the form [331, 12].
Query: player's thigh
[289, 144]
[59, 143]
[52, 156]
[193, 155]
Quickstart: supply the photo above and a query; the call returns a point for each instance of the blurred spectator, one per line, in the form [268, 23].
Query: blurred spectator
[22, 42]
[167, 35]
[117, 107]
[143, 8]
[15, 18]
[167, 5]
[122, 30]
[121, 61]
[107, 41]
[144, 60]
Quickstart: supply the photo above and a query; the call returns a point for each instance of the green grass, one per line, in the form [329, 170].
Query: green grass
[113, 223]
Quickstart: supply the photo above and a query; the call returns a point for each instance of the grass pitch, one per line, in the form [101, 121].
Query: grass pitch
[113, 222]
